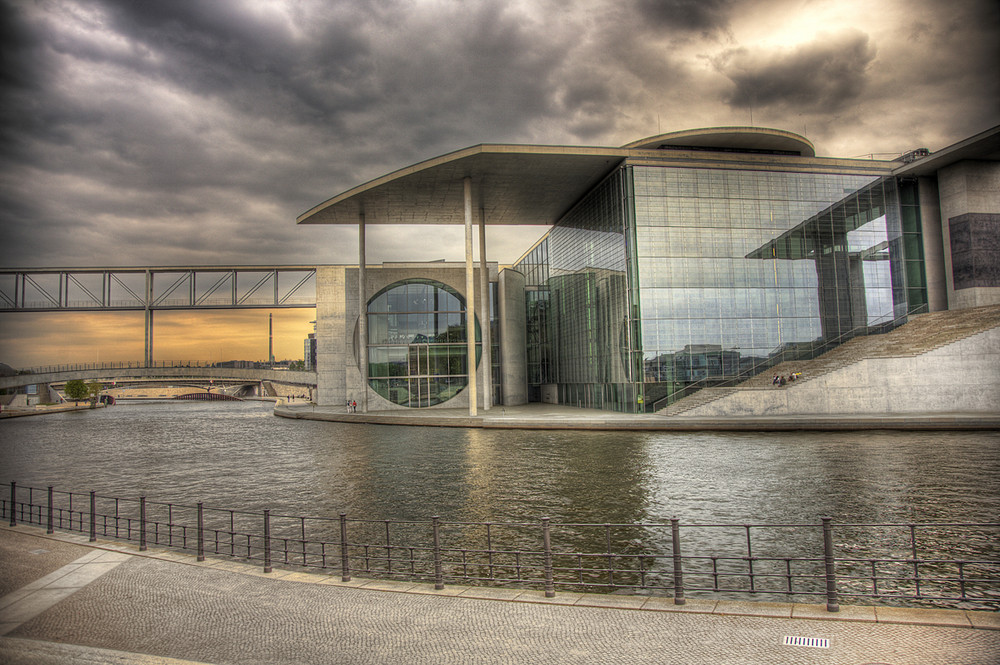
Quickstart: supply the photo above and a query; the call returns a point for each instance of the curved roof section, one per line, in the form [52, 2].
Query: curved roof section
[734, 139]
[513, 184]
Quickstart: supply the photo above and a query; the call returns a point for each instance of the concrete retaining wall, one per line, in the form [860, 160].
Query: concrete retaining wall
[961, 377]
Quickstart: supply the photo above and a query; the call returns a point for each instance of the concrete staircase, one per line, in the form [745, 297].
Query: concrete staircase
[921, 334]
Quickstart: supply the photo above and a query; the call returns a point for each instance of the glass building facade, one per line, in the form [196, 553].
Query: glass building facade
[417, 348]
[665, 278]
[580, 335]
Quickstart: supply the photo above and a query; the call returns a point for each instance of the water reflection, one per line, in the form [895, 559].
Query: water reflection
[238, 456]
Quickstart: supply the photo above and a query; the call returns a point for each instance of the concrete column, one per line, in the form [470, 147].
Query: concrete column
[931, 235]
[362, 316]
[334, 337]
[513, 349]
[484, 316]
[470, 299]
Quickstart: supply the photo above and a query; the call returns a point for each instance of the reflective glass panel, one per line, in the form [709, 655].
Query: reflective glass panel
[412, 329]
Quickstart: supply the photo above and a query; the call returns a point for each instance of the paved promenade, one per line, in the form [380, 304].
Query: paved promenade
[557, 416]
[67, 601]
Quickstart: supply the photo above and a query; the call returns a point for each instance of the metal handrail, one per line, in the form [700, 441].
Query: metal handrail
[134, 364]
[886, 562]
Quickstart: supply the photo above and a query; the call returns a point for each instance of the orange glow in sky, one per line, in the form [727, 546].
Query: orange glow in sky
[54, 338]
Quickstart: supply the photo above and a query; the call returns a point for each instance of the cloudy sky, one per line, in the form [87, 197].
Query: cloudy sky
[193, 132]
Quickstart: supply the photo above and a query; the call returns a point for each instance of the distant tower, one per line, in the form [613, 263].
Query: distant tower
[270, 338]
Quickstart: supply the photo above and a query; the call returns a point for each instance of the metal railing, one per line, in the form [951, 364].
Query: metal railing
[118, 364]
[911, 563]
[139, 365]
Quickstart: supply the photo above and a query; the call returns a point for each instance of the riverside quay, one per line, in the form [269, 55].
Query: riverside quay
[753, 561]
[689, 260]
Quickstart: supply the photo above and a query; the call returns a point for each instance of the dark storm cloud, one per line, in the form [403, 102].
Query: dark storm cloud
[829, 73]
[209, 126]
[704, 16]
[20, 66]
[260, 63]
[187, 131]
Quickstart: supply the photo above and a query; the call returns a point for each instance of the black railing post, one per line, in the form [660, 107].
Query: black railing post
[50, 527]
[93, 516]
[550, 589]
[675, 538]
[345, 561]
[438, 571]
[831, 566]
[267, 541]
[142, 524]
[201, 532]
[13, 496]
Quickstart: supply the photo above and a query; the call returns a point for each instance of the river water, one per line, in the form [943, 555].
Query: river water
[237, 455]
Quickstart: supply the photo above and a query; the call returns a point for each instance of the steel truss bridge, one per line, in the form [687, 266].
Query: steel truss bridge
[156, 288]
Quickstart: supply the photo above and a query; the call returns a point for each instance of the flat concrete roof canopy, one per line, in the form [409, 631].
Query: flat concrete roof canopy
[521, 184]
[983, 146]
[514, 184]
[755, 139]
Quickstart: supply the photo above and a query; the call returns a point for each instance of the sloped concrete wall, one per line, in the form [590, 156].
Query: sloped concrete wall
[961, 377]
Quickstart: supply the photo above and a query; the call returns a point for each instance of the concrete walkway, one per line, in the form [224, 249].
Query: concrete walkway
[69, 601]
[557, 416]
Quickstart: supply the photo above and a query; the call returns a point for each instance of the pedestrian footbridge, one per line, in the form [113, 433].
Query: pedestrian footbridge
[120, 373]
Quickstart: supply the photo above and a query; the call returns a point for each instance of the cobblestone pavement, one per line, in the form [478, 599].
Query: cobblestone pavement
[151, 609]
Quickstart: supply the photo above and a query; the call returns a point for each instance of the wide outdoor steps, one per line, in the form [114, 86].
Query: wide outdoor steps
[921, 334]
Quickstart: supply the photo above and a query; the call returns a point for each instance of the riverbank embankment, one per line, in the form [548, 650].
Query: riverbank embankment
[557, 416]
[42, 409]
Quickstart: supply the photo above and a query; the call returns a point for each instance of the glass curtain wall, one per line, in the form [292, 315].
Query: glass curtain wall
[912, 242]
[417, 353]
[579, 335]
[739, 268]
[665, 279]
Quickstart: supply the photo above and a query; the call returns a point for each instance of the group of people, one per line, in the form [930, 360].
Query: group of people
[782, 380]
[352, 406]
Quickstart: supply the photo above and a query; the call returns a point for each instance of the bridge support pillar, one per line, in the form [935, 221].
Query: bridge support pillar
[148, 357]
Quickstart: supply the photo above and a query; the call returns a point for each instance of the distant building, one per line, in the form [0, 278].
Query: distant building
[309, 352]
[672, 262]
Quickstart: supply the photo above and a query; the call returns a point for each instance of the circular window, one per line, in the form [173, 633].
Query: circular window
[417, 349]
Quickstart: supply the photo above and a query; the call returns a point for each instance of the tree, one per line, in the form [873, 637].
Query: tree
[94, 389]
[76, 390]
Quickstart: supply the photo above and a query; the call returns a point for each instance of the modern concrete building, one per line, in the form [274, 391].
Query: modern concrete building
[674, 262]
